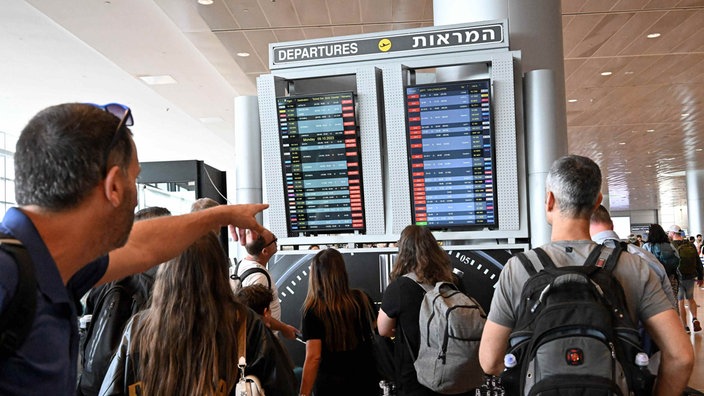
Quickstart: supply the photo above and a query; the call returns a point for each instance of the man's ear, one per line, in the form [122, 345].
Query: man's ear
[599, 200]
[549, 201]
[113, 185]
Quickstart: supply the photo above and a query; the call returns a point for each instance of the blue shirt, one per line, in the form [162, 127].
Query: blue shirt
[46, 363]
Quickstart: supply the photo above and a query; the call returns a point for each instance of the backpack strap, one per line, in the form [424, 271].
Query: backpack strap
[17, 319]
[254, 271]
[612, 260]
[545, 260]
[527, 264]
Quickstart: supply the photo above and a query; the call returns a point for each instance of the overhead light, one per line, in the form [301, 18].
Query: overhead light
[205, 2]
[158, 80]
[699, 149]
[685, 115]
[607, 73]
[628, 73]
[622, 143]
[572, 100]
[650, 130]
[243, 54]
[653, 35]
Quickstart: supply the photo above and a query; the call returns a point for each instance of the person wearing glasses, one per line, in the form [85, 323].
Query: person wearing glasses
[76, 167]
[260, 247]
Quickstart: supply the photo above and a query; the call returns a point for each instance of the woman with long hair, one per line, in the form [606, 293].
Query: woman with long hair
[660, 246]
[186, 342]
[337, 327]
[420, 260]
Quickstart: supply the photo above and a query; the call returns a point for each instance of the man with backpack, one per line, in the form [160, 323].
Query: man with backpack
[76, 167]
[252, 270]
[573, 193]
[690, 270]
[601, 228]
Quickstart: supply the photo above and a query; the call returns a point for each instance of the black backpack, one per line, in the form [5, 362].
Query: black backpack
[115, 303]
[573, 332]
[689, 259]
[17, 318]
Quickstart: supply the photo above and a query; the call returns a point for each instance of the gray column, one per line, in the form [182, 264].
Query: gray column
[695, 201]
[535, 28]
[542, 146]
[248, 155]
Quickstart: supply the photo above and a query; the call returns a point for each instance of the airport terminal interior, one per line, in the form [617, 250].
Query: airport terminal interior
[354, 119]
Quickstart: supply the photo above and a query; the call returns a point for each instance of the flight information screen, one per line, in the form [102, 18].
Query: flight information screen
[451, 155]
[321, 161]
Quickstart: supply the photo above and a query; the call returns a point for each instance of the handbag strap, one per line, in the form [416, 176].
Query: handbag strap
[242, 348]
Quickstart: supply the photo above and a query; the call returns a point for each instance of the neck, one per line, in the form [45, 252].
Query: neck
[256, 259]
[570, 229]
[69, 236]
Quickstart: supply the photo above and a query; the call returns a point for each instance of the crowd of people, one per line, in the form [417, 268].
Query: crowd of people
[76, 167]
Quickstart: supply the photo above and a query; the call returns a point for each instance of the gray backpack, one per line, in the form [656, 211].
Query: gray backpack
[451, 325]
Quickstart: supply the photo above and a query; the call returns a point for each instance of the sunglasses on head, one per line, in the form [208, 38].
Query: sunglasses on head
[124, 114]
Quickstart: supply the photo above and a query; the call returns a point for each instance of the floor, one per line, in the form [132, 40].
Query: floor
[696, 381]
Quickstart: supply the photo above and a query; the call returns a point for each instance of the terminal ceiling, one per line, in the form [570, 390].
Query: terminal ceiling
[643, 122]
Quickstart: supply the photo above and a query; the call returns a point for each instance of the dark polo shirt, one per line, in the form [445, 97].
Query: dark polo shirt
[47, 361]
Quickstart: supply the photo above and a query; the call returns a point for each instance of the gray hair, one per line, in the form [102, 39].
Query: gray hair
[575, 181]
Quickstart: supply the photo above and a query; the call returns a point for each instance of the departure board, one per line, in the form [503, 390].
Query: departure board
[451, 155]
[321, 160]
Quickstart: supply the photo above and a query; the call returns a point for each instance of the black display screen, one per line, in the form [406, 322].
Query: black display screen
[321, 160]
[451, 155]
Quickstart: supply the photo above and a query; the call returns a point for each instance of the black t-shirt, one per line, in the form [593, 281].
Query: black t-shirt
[401, 301]
[351, 372]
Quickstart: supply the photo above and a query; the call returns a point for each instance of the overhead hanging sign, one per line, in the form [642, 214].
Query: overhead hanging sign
[399, 43]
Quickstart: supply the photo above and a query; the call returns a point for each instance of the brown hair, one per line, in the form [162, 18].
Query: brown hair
[331, 299]
[187, 339]
[257, 296]
[419, 252]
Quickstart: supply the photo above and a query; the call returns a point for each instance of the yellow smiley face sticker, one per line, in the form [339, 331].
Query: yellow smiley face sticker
[384, 45]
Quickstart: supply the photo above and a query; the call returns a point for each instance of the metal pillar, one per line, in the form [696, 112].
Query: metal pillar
[248, 155]
[695, 201]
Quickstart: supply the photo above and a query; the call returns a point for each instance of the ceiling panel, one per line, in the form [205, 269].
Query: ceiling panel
[636, 26]
[288, 35]
[373, 11]
[344, 12]
[218, 16]
[408, 10]
[313, 12]
[626, 5]
[346, 30]
[280, 13]
[247, 13]
[605, 28]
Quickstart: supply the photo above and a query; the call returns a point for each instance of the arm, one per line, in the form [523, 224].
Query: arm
[286, 330]
[677, 357]
[493, 347]
[157, 240]
[310, 366]
[385, 325]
